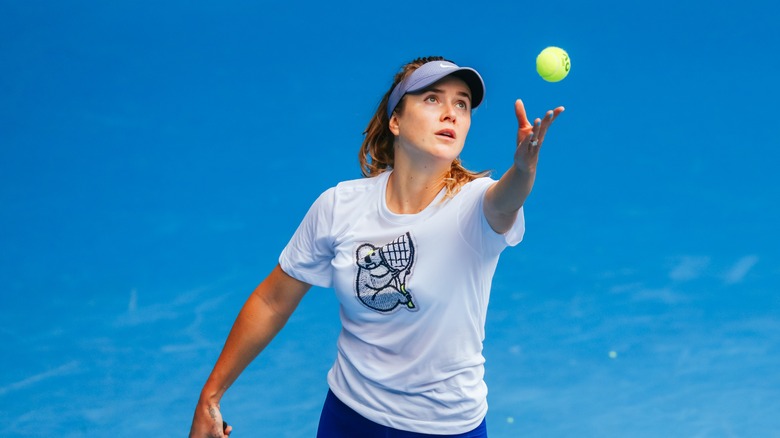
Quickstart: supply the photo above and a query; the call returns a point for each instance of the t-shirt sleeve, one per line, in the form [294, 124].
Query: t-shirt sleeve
[307, 256]
[475, 227]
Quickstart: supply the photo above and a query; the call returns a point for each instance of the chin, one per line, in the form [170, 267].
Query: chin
[448, 152]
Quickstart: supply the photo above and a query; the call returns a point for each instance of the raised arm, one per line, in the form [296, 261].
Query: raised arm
[265, 313]
[504, 199]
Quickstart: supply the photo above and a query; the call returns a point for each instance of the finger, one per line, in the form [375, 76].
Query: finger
[528, 136]
[522, 119]
[549, 117]
[554, 114]
[537, 130]
[557, 112]
[533, 140]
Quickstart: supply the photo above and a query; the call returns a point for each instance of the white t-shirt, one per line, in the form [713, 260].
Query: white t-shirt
[413, 292]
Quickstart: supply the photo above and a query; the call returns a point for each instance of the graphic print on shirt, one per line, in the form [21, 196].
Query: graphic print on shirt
[383, 272]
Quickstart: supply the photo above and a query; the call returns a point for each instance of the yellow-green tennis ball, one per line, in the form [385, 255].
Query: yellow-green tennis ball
[553, 64]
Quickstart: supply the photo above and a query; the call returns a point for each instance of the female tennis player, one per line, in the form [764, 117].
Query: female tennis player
[410, 251]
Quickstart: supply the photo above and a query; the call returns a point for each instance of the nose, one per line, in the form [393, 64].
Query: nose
[448, 113]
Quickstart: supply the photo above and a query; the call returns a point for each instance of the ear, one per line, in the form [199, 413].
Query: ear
[394, 125]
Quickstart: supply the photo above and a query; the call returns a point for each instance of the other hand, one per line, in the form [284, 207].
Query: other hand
[208, 422]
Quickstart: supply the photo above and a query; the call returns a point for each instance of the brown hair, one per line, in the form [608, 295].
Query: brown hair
[377, 155]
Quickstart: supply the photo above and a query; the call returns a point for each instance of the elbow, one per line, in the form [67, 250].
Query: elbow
[502, 222]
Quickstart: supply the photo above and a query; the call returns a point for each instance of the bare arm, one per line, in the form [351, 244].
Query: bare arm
[504, 199]
[265, 313]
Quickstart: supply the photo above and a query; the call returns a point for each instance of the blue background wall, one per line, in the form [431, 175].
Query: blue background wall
[156, 156]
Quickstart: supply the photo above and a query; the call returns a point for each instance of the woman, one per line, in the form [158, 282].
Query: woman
[410, 251]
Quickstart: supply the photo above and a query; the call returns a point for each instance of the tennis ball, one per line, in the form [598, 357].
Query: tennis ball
[553, 64]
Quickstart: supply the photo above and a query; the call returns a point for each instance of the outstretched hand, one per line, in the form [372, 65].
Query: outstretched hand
[505, 198]
[531, 136]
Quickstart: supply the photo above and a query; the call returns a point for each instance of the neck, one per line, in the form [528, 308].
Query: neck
[411, 192]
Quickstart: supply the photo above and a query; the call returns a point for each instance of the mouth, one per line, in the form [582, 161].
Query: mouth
[449, 133]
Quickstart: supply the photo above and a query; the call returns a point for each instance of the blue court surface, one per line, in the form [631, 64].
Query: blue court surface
[155, 157]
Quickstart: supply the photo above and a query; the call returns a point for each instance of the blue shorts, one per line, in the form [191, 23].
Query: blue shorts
[340, 421]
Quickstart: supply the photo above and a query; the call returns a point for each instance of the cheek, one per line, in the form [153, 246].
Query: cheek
[465, 126]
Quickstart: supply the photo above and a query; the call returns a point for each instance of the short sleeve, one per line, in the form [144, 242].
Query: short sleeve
[308, 255]
[474, 225]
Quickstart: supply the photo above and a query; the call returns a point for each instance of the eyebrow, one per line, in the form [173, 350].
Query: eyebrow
[439, 90]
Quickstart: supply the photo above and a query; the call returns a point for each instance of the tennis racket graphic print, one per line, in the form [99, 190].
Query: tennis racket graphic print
[383, 272]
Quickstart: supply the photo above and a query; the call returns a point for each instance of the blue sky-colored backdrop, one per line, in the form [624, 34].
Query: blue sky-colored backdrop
[156, 156]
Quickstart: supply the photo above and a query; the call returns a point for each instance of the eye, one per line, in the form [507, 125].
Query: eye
[462, 104]
[431, 99]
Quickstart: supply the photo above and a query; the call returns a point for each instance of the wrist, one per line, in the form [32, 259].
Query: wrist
[211, 396]
[523, 170]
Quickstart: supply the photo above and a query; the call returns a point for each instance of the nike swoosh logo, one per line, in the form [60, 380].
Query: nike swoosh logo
[443, 65]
